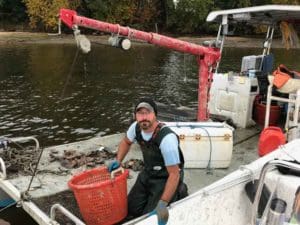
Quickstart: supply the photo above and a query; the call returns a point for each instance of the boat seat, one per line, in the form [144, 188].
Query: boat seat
[291, 86]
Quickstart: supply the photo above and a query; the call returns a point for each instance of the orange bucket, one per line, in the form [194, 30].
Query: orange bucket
[101, 196]
[260, 113]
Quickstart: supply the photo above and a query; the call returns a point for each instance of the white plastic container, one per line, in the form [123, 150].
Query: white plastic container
[204, 144]
[233, 97]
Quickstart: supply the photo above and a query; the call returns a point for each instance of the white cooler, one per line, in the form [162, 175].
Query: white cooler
[204, 144]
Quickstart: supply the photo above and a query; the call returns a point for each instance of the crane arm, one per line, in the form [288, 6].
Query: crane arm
[207, 56]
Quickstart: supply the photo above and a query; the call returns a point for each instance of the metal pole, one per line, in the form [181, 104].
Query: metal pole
[268, 106]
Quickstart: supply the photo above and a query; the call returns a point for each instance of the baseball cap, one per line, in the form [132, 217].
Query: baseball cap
[147, 103]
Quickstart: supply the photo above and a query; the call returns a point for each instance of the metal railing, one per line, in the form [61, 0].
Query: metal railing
[267, 167]
[66, 212]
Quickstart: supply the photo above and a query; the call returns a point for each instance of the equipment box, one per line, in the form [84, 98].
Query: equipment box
[251, 62]
[233, 96]
[204, 144]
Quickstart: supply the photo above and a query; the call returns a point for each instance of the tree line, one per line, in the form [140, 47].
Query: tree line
[174, 16]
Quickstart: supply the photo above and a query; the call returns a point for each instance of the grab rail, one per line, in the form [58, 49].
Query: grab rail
[268, 166]
[66, 212]
[22, 139]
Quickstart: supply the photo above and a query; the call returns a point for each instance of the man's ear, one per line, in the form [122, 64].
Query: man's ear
[132, 119]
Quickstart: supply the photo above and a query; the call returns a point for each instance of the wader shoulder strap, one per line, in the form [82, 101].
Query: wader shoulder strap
[159, 133]
[164, 131]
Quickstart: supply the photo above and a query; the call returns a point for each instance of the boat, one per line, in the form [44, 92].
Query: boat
[275, 173]
[49, 187]
[227, 201]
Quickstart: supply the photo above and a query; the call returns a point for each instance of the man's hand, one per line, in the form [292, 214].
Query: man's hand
[162, 212]
[113, 165]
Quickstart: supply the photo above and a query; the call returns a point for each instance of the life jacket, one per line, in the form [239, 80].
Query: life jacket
[282, 74]
[153, 159]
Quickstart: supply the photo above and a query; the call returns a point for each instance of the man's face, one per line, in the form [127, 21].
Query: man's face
[145, 118]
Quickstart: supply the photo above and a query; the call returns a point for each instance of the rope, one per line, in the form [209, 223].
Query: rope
[130, 33]
[70, 74]
[208, 168]
[184, 68]
[118, 30]
[25, 194]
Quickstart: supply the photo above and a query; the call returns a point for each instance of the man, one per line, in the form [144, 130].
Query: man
[161, 180]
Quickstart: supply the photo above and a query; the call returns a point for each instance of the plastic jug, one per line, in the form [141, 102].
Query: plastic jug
[270, 138]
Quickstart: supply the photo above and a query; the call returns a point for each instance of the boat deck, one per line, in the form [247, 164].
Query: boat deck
[52, 177]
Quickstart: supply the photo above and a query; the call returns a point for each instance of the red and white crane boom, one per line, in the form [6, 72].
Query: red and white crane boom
[207, 57]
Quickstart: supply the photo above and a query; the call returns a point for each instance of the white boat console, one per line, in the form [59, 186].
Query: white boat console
[233, 96]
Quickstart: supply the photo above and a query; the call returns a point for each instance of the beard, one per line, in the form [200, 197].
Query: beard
[145, 124]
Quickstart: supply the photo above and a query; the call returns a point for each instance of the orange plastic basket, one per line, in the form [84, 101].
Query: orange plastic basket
[101, 196]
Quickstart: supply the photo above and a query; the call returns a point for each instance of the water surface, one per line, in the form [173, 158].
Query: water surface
[99, 95]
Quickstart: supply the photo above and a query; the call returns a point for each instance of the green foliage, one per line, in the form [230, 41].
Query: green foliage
[45, 13]
[260, 2]
[122, 11]
[231, 4]
[147, 14]
[191, 15]
[188, 17]
[286, 2]
[99, 9]
[12, 10]
[125, 12]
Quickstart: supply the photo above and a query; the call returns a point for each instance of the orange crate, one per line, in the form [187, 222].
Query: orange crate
[102, 200]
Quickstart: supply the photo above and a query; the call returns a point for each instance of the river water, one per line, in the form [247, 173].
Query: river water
[43, 95]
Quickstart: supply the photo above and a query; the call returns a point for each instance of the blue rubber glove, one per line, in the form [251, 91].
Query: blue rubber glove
[113, 165]
[162, 212]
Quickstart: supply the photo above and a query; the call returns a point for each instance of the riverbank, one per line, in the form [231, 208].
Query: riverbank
[44, 38]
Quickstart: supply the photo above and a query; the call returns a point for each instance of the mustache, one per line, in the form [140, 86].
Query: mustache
[142, 121]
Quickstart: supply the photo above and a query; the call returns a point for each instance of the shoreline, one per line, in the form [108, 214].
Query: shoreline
[14, 38]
